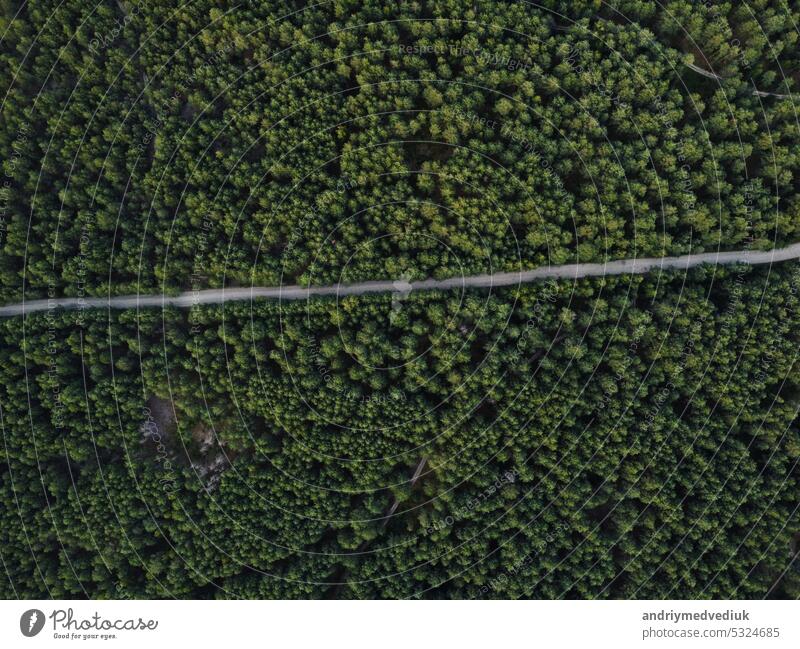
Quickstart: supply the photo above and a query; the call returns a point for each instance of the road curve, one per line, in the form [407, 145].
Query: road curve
[713, 75]
[565, 271]
[702, 71]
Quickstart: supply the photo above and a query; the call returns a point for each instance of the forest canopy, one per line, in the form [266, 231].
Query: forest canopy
[609, 437]
[612, 438]
[152, 147]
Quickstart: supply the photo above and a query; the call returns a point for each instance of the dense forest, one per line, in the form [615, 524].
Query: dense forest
[634, 437]
[617, 437]
[150, 146]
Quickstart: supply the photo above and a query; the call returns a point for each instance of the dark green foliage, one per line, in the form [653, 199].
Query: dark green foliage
[607, 438]
[359, 140]
[613, 438]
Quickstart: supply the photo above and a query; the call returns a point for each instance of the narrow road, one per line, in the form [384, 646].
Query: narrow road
[712, 75]
[566, 271]
[702, 71]
[396, 503]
